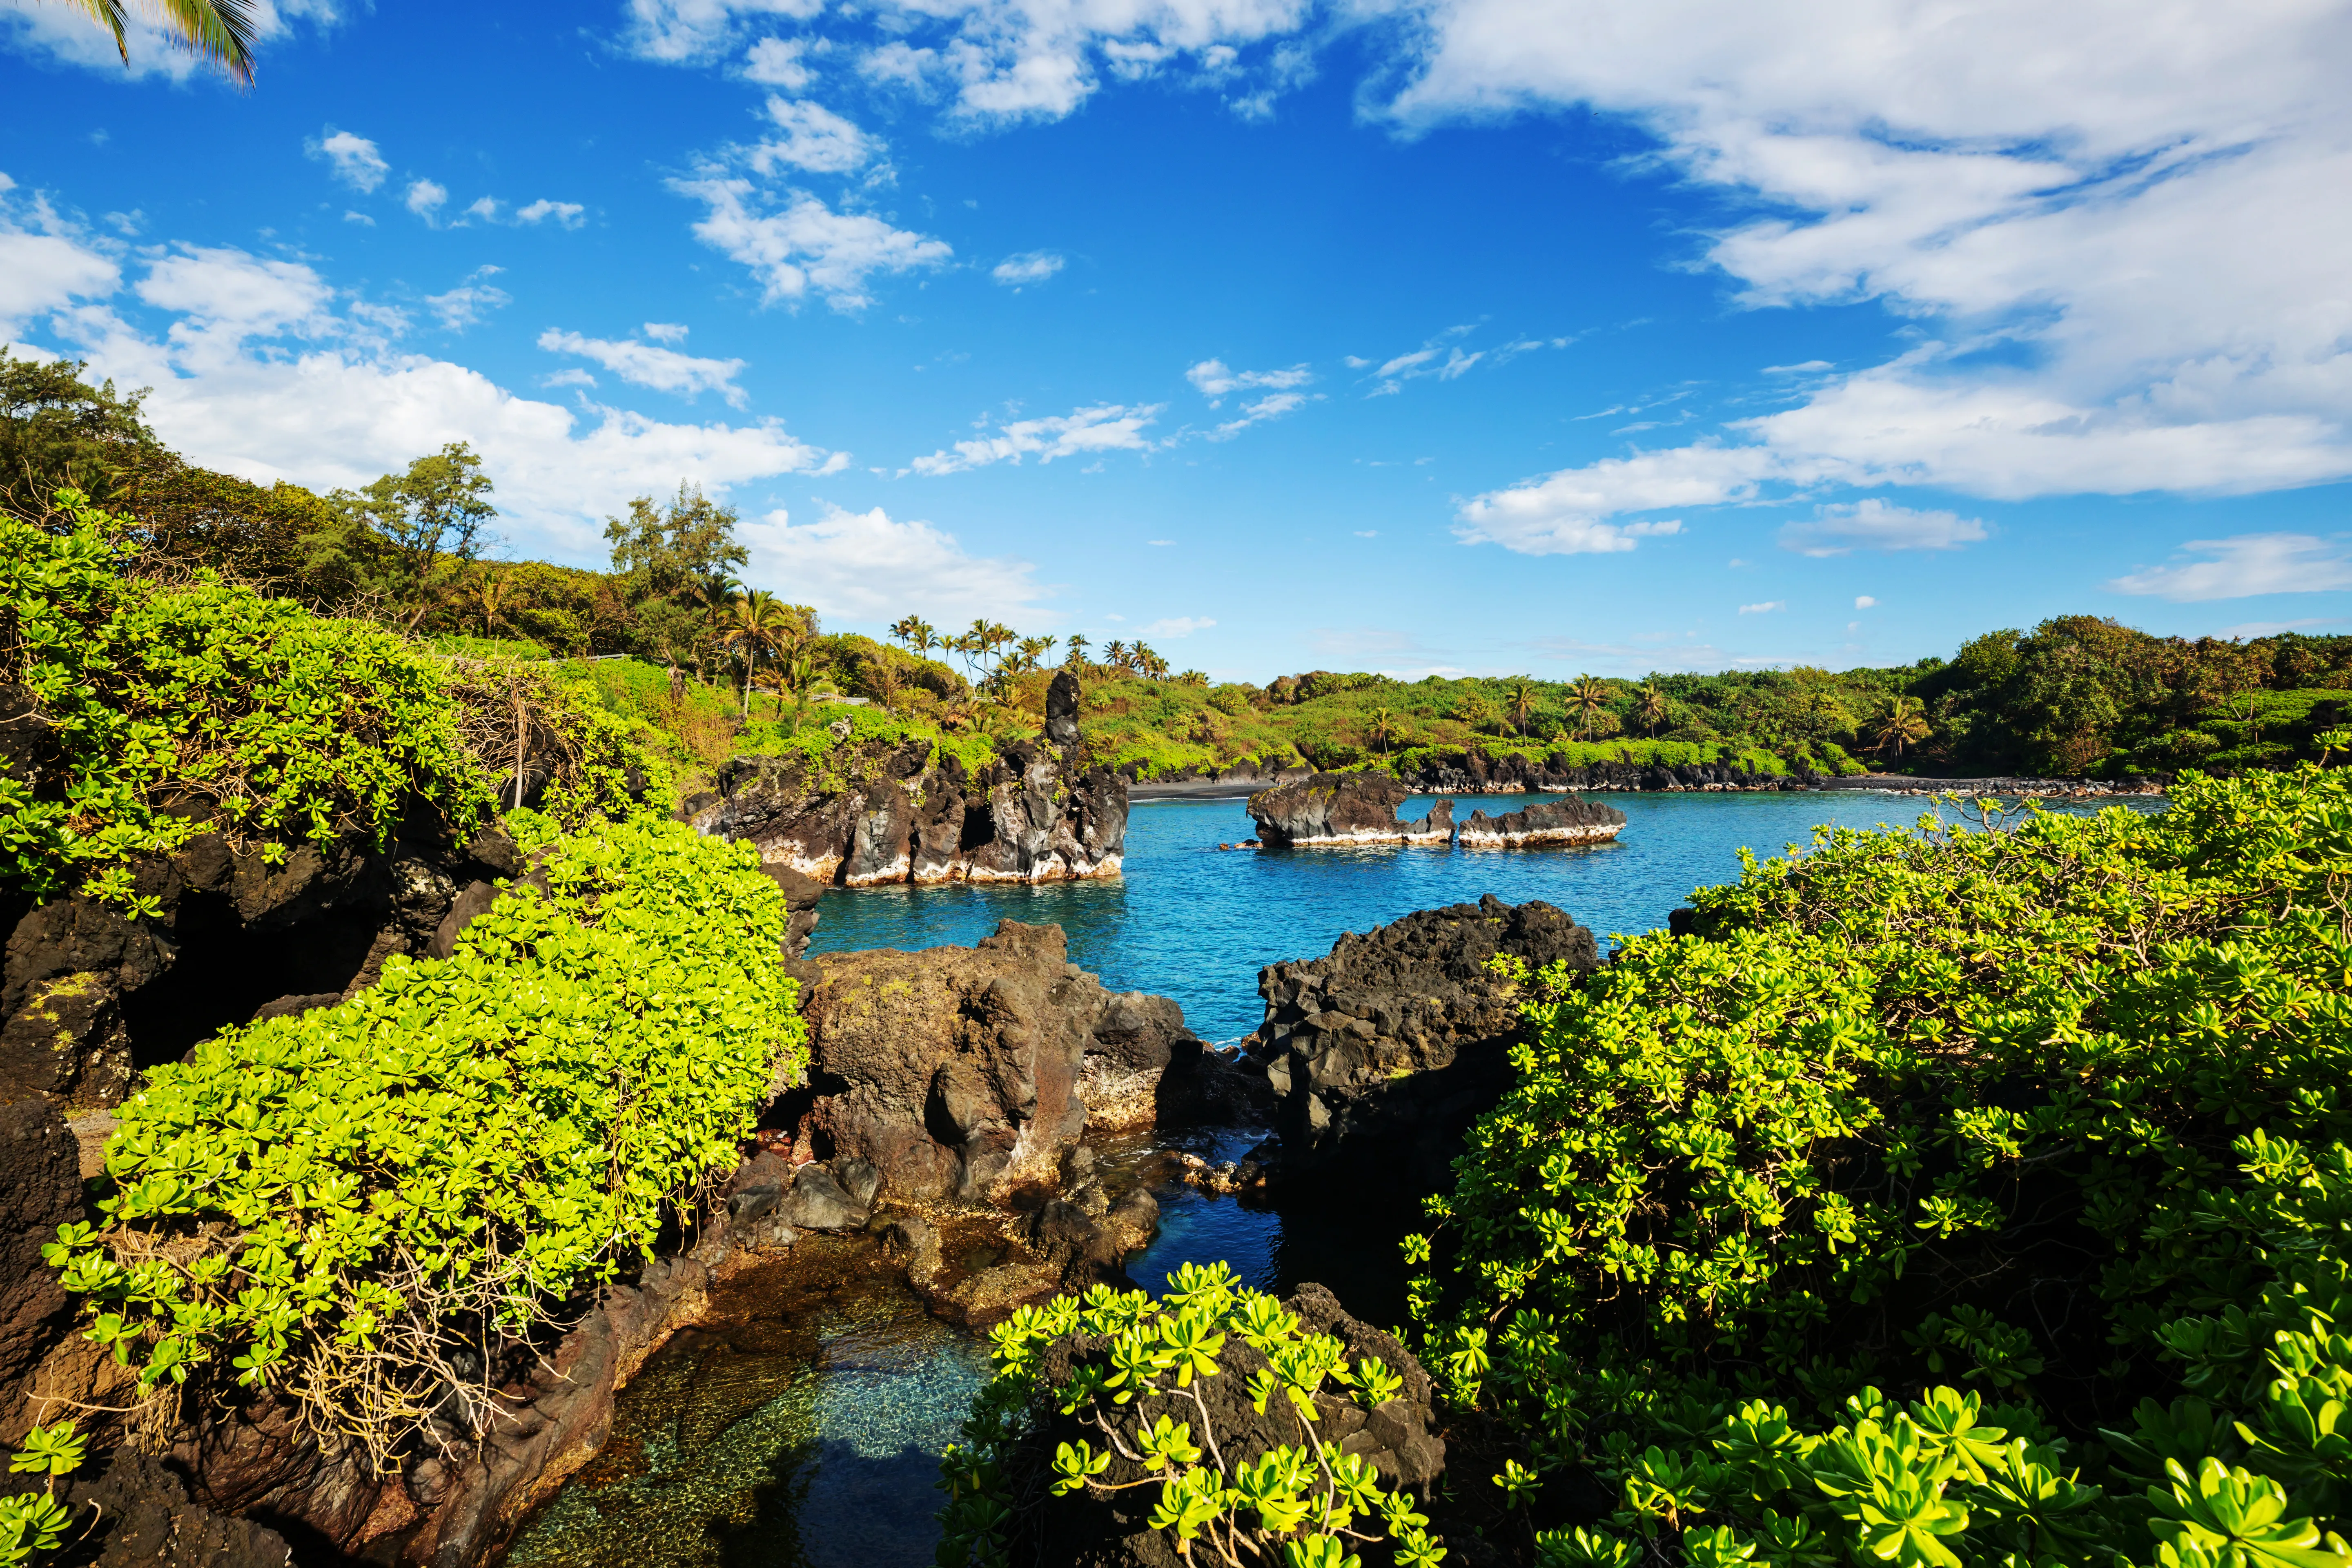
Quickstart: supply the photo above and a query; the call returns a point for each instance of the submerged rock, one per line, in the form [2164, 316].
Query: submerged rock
[1569, 821]
[1343, 808]
[1382, 1053]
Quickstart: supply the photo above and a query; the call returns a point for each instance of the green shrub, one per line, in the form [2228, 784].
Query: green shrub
[205, 706]
[2054, 1114]
[1134, 1385]
[369, 1204]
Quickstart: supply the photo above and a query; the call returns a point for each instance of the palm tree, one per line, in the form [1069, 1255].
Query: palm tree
[1148, 664]
[1905, 722]
[756, 626]
[218, 31]
[1114, 655]
[1380, 728]
[1650, 708]
[917, 633]
[1193, 678]
[1033, 650]
[491, 597]
[1077, 657]
[1520, 699]
[1588, 695]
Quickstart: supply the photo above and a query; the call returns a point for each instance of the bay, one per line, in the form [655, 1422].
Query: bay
[804, 1439]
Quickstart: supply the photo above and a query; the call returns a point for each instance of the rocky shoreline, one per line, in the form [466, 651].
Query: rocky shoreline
[1342, 809]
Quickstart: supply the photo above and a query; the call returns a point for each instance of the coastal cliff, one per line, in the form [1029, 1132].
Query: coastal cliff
[910, 814]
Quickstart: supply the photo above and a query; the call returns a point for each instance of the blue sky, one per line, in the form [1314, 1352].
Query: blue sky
[1452, 335]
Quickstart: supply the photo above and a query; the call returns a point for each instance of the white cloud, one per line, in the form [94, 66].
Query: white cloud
[425, 198]
[467, 303]
[1567, 514]
[807, 245]
[569, 215]
[2272, 628]
[1177, 626]
[1864, 601]
[815, 137]
[1368, 533]
[664, 331]
[778, 62]
[1766, 608]
[260, 371]
[1215, 380]
[1029, 267]
[573, 376]
[355, 158]
[2127, 216]
[869, 566]
[1873, 524]
[1105, 427]
[2245, 565]
[1273, 405]
[359, 217]
[643, 364]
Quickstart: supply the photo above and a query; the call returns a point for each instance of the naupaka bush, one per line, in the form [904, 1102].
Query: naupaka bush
[372, 1205]
[2046, 1122]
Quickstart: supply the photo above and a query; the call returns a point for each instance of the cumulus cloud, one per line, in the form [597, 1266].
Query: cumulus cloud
[1864, 601]
[644, 365]
[686, 30]
[2134, 209]
[354, 158]
[1766, 608]
[664, 331]
[806, 247]
[569, 215]
[867, 565]
[259, 368]
[1029, 267]
[779, 62]
[815, 137]
[1568, 513]
[1214, 379]
[425, 198]
[2245, 565]
[1105, 427]
[1873, 524]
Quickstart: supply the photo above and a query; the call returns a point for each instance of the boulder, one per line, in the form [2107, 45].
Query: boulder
[40, 1189]
[1548, 822]
[960, 1073]
[1062, 697]
[1382, 1053]
[1343, 808]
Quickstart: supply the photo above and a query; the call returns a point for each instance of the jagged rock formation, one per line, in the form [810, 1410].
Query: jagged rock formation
[1344, 808]
[1382, 1053]
[1031, 816]
[1399, 1440]
[1548, 822]
[961, 1073]
[89, 996]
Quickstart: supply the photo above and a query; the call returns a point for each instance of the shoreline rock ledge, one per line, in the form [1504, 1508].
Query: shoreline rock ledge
[1571, 821]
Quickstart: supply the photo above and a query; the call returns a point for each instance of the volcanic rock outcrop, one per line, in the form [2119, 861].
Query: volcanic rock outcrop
[89, 995]
[1385, 1051]
[966, 1074]
[1033, 815]
[1344, 808]
[1569, 821]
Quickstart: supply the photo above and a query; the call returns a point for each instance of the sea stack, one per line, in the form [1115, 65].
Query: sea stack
[1343, 808]
[1571, 821]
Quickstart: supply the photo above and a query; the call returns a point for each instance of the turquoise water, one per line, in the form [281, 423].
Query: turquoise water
[804, 1439]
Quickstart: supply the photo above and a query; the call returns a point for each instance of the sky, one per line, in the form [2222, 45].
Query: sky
[1424, 336]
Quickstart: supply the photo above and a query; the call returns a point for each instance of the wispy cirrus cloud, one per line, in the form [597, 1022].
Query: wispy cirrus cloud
[2245, 565]
[1103, 428]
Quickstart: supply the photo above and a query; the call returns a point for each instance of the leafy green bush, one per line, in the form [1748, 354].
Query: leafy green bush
[175, 710]
[368, 1205]
[2054, 1113]
[1135, 1383]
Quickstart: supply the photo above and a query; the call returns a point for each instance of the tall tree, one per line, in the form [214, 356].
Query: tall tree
[220, 32]
[1380, 728]
[57, 430]
[917, 633]
[1650, 708]
[1903, 722]
[1588, 697]
[1519, 698]
[435, 515]
[758, 626]
[1077, 657]
[665, 549]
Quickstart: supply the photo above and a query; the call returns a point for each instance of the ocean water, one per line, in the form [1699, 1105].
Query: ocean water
[804, 1439]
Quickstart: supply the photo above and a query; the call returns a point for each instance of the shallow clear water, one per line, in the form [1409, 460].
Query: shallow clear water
[807, 1438]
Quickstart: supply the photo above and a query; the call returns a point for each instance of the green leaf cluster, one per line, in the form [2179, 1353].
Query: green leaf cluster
[172, 710]
[374, 1206]
[1135, 1383]
[2052, 1112]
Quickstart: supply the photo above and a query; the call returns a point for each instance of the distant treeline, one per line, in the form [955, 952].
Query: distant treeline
[2078, 695]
